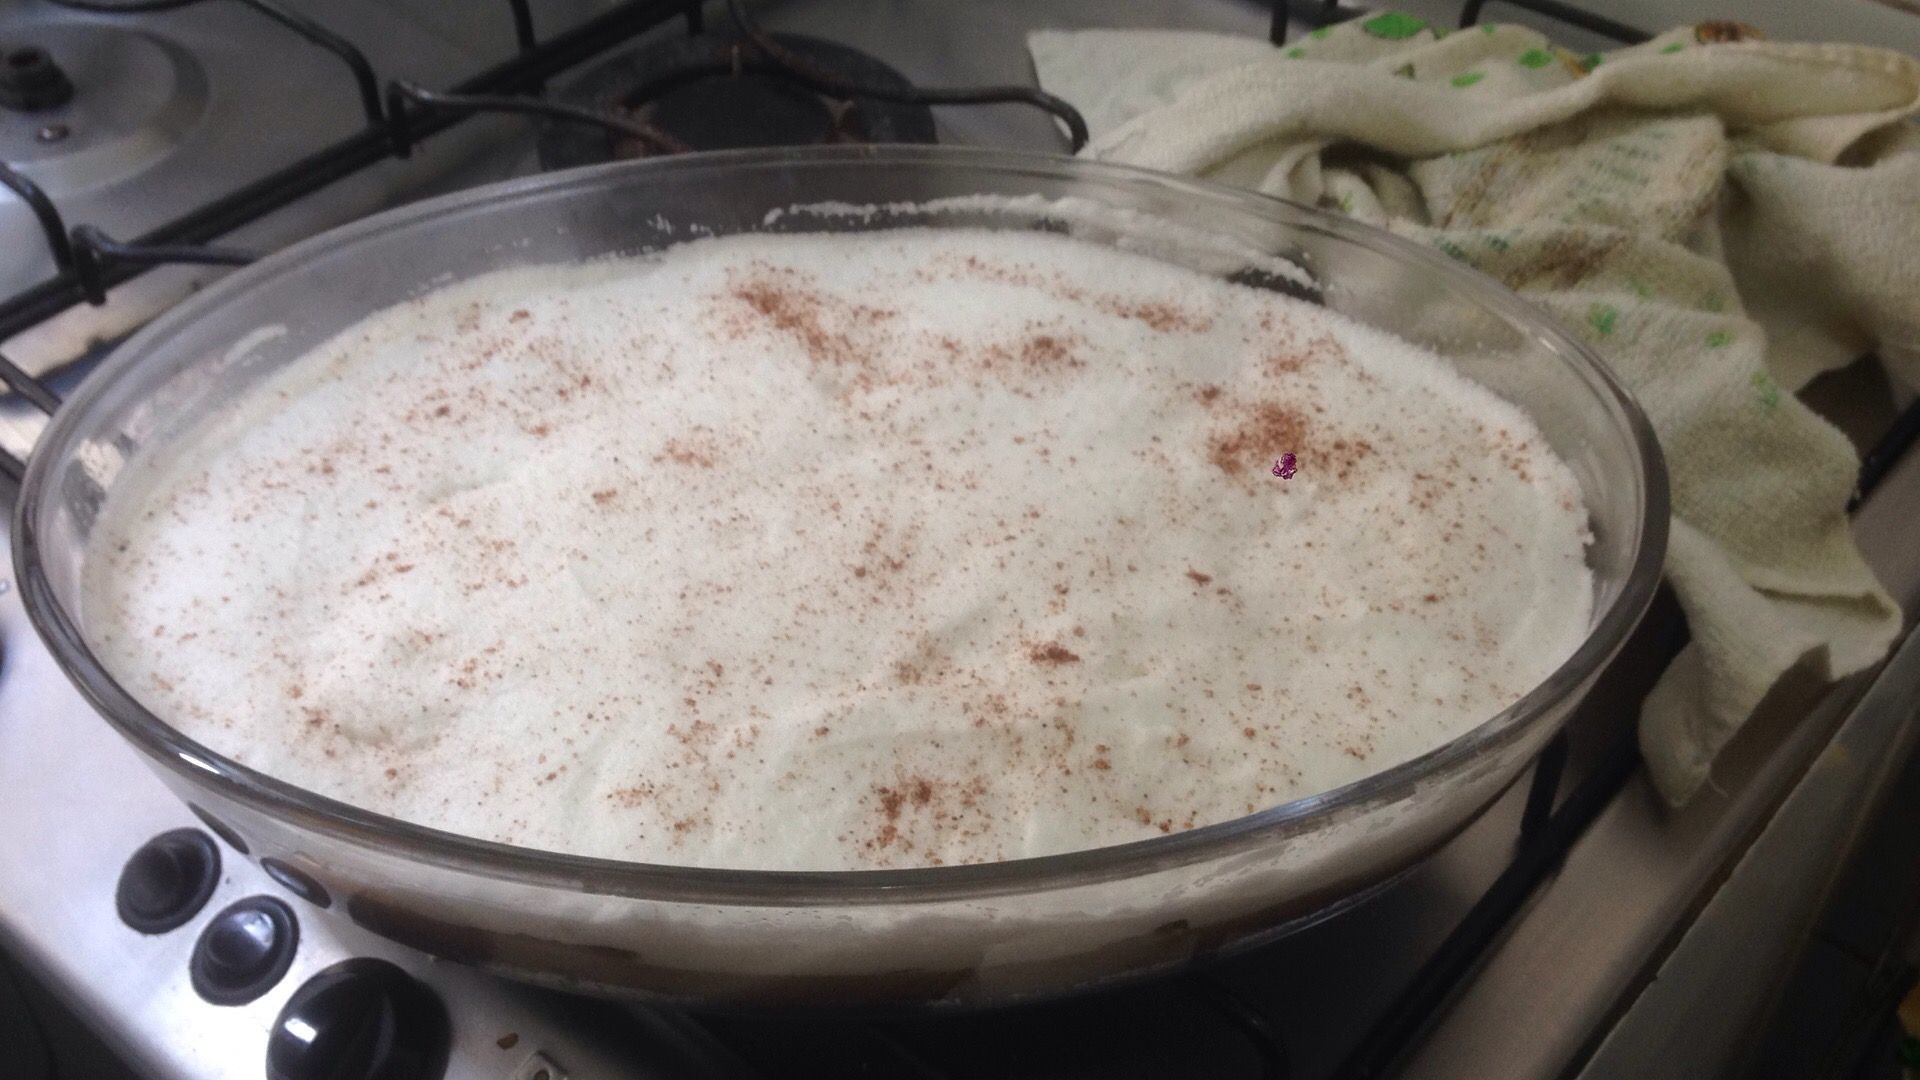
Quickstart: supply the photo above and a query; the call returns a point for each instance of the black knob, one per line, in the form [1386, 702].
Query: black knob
[167, 881]
[30, 80]
[361, 1019]
[244, 950]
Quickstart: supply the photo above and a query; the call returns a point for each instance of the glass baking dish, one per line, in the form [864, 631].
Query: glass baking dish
[950, 936]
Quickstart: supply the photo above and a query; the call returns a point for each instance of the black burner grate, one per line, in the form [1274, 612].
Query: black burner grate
[715, 91]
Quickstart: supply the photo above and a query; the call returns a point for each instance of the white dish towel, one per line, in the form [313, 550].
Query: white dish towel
[1721, 217]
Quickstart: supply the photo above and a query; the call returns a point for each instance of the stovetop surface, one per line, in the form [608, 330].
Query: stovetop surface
[76, 801]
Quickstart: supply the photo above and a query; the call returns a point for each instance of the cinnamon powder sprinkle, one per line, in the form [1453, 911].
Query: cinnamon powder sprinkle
[1266, 430]
[1054, 653]
[831, 491]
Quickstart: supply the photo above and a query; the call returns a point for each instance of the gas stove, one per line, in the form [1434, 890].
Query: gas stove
[1571, 931]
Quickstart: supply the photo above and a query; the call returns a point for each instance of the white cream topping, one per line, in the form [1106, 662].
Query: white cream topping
[843, 551]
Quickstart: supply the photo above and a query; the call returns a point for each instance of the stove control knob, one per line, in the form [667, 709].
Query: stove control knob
[244, 950]
[361, 1019]
[167, 881]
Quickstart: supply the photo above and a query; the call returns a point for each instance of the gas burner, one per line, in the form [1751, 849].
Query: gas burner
[718, 92]
[125, 101]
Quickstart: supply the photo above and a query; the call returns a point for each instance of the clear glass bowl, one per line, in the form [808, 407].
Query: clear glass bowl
[960, 935]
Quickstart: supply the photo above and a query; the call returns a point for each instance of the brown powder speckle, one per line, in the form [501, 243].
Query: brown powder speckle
[1053, 652]
[1044, 351]
[698, 449]
[1285, 363]
[1266, 430]
[795, 312]
[1162, 317]
[822, 324]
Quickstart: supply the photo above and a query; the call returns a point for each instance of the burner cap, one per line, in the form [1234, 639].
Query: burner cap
[131, 99]
[30, 80]
[711, 92]
[733, 113]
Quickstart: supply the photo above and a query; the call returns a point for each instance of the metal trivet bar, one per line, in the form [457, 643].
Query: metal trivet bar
[33, 392]
[523, 35]
[832, 84]
[48, 215]
[88, 252]
[1885, 453]
[402, 95]
[1327, 12]
[95, 254]
[1566, 13]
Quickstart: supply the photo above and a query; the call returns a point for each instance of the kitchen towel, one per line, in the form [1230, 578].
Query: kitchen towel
[1721, 217]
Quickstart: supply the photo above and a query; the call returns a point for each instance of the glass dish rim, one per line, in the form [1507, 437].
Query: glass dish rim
[795, 888]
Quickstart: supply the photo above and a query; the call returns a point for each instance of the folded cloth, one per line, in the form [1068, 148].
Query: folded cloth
[1721, 217]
